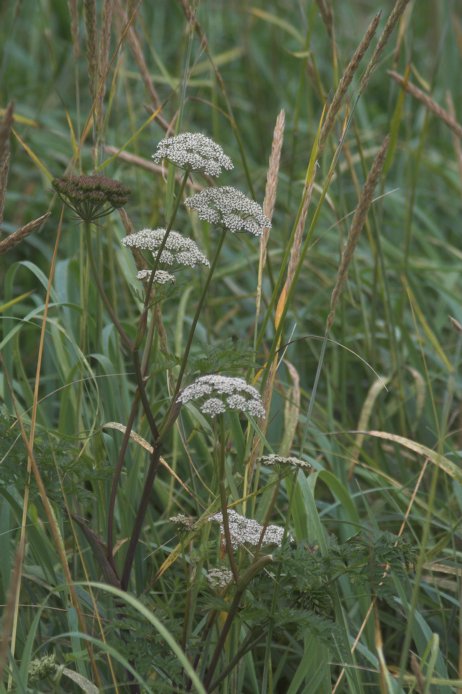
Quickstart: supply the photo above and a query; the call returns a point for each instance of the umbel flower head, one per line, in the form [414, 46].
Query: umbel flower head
[284, 462]
[91, 197]
[219, 578]
[215, 394]
[229, 208]
[245, 531]
[161, 277]
[177, 251]
[195, 152]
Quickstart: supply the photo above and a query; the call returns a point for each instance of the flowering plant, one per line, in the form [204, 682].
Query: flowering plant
[194, 152]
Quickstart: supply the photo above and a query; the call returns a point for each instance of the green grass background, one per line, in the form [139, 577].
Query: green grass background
[393, 323]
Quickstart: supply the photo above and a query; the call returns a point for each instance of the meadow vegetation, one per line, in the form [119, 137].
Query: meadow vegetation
[230, 346]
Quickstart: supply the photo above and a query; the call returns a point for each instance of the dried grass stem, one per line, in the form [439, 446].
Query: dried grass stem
[428, 102]
[357, 224]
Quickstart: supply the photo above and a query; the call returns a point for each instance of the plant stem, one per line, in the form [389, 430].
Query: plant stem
[224, 498]
[258, 564]
[116, 479]
[140, 370]
[184, 359]
[144, 315]
[138, 525]
[117, 324]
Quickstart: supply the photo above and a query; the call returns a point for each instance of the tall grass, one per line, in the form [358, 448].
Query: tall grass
[344, 316]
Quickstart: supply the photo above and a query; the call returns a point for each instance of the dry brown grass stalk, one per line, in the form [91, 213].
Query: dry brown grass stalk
[103, 59]
[146, 164]
[394, 17]
[20, 234]
[428, 102]
[9, 608]
[420, 679]
[298, 236]
[456, 139]
[357, 224]
[89, 13]
[135, 46]
[74, 14]
[270, 197]
[325, 10]
[5, 132]
[346, 80]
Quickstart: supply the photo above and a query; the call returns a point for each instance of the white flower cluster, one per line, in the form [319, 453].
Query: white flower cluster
[273, 459]
[183, 522]
[230, 208]
[216, 394]
[177, 251]
[193, 151]
[219, 578]
[245, 531]
[161, 277]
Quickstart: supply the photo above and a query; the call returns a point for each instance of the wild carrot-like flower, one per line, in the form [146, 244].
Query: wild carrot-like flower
[229, 208]
[215, 395]
[178, 251]
[219, 578]
[185, 523]
[193, 151]
[91, 197]
[161, 277]
[282, 461]
[246, 531]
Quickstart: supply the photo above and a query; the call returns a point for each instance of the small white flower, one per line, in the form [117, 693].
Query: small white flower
[213, 406]
[161, 276]
[219, 578]
[216, 394]
[183, 522]
[245, 531]
[274, 459]
[229, 208]
[178, 250]
[193, 151]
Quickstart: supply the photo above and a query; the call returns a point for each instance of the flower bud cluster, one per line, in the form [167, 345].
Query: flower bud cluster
[91, 197]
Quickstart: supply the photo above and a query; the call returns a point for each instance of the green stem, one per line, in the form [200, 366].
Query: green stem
[224, 498]
[96, 276]
[258, 564]
[140, 370]
[184, 359]
[116, 479]
[144, 315]
[139, 520]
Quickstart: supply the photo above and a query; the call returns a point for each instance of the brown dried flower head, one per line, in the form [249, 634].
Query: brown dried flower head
[91, 197]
